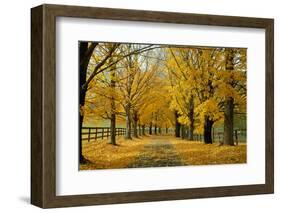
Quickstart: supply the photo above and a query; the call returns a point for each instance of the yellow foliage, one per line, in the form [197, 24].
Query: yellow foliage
[158, 83]
[202, 73]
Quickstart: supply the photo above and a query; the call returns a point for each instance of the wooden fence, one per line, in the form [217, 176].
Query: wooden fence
[94, 133]
[239, 135]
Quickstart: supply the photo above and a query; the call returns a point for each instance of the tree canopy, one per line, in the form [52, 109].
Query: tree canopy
[162, 86]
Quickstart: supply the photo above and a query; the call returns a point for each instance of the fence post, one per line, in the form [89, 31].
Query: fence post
[102, 131]
[96, 135]
[89, 134]
[236, 137]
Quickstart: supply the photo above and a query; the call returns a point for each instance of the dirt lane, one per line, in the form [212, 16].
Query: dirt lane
[159, 152]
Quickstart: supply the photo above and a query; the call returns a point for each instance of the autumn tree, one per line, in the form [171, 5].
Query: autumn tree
[182, 91]
[106, 59]
[98, 62]
[85, 52]
[233, 89]
[187, 88]
[200, 86]
[135, 81]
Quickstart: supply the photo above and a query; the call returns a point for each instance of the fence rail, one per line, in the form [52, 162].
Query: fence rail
[94, 133]
[239, 135]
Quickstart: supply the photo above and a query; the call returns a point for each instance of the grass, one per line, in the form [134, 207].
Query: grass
[102, 155]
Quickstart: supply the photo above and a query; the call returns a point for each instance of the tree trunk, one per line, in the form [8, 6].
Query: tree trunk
[140, 129]
[150, 128]
[228, 122]
[177, 125]
[85, 54]
[159, 130]
[187, 132]
[190, 132]
[143, 129]
[128, 104]
[113, 129]
[183, 132]
[208, 131]
[191, 118]
[135, 124]
[229, 104]
[113, 111]
[155, 129]
[155, 125]
[128, 122]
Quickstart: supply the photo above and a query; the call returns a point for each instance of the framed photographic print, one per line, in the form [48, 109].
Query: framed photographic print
[136, 106]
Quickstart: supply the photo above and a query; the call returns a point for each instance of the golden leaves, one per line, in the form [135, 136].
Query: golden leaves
[201, 72]
[103, 155]
[158, 82]
[196, 153]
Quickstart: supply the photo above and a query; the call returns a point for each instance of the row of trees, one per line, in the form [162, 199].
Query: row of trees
[156, 86]
[207, 86]
[114, 82]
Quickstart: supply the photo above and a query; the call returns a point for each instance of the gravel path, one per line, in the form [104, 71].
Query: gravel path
[157, 153]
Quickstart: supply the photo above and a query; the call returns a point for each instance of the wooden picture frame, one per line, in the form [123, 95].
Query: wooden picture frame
[43, 105]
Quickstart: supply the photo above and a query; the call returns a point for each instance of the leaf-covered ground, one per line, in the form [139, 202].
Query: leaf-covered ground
[198, 153]
[158, 151]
